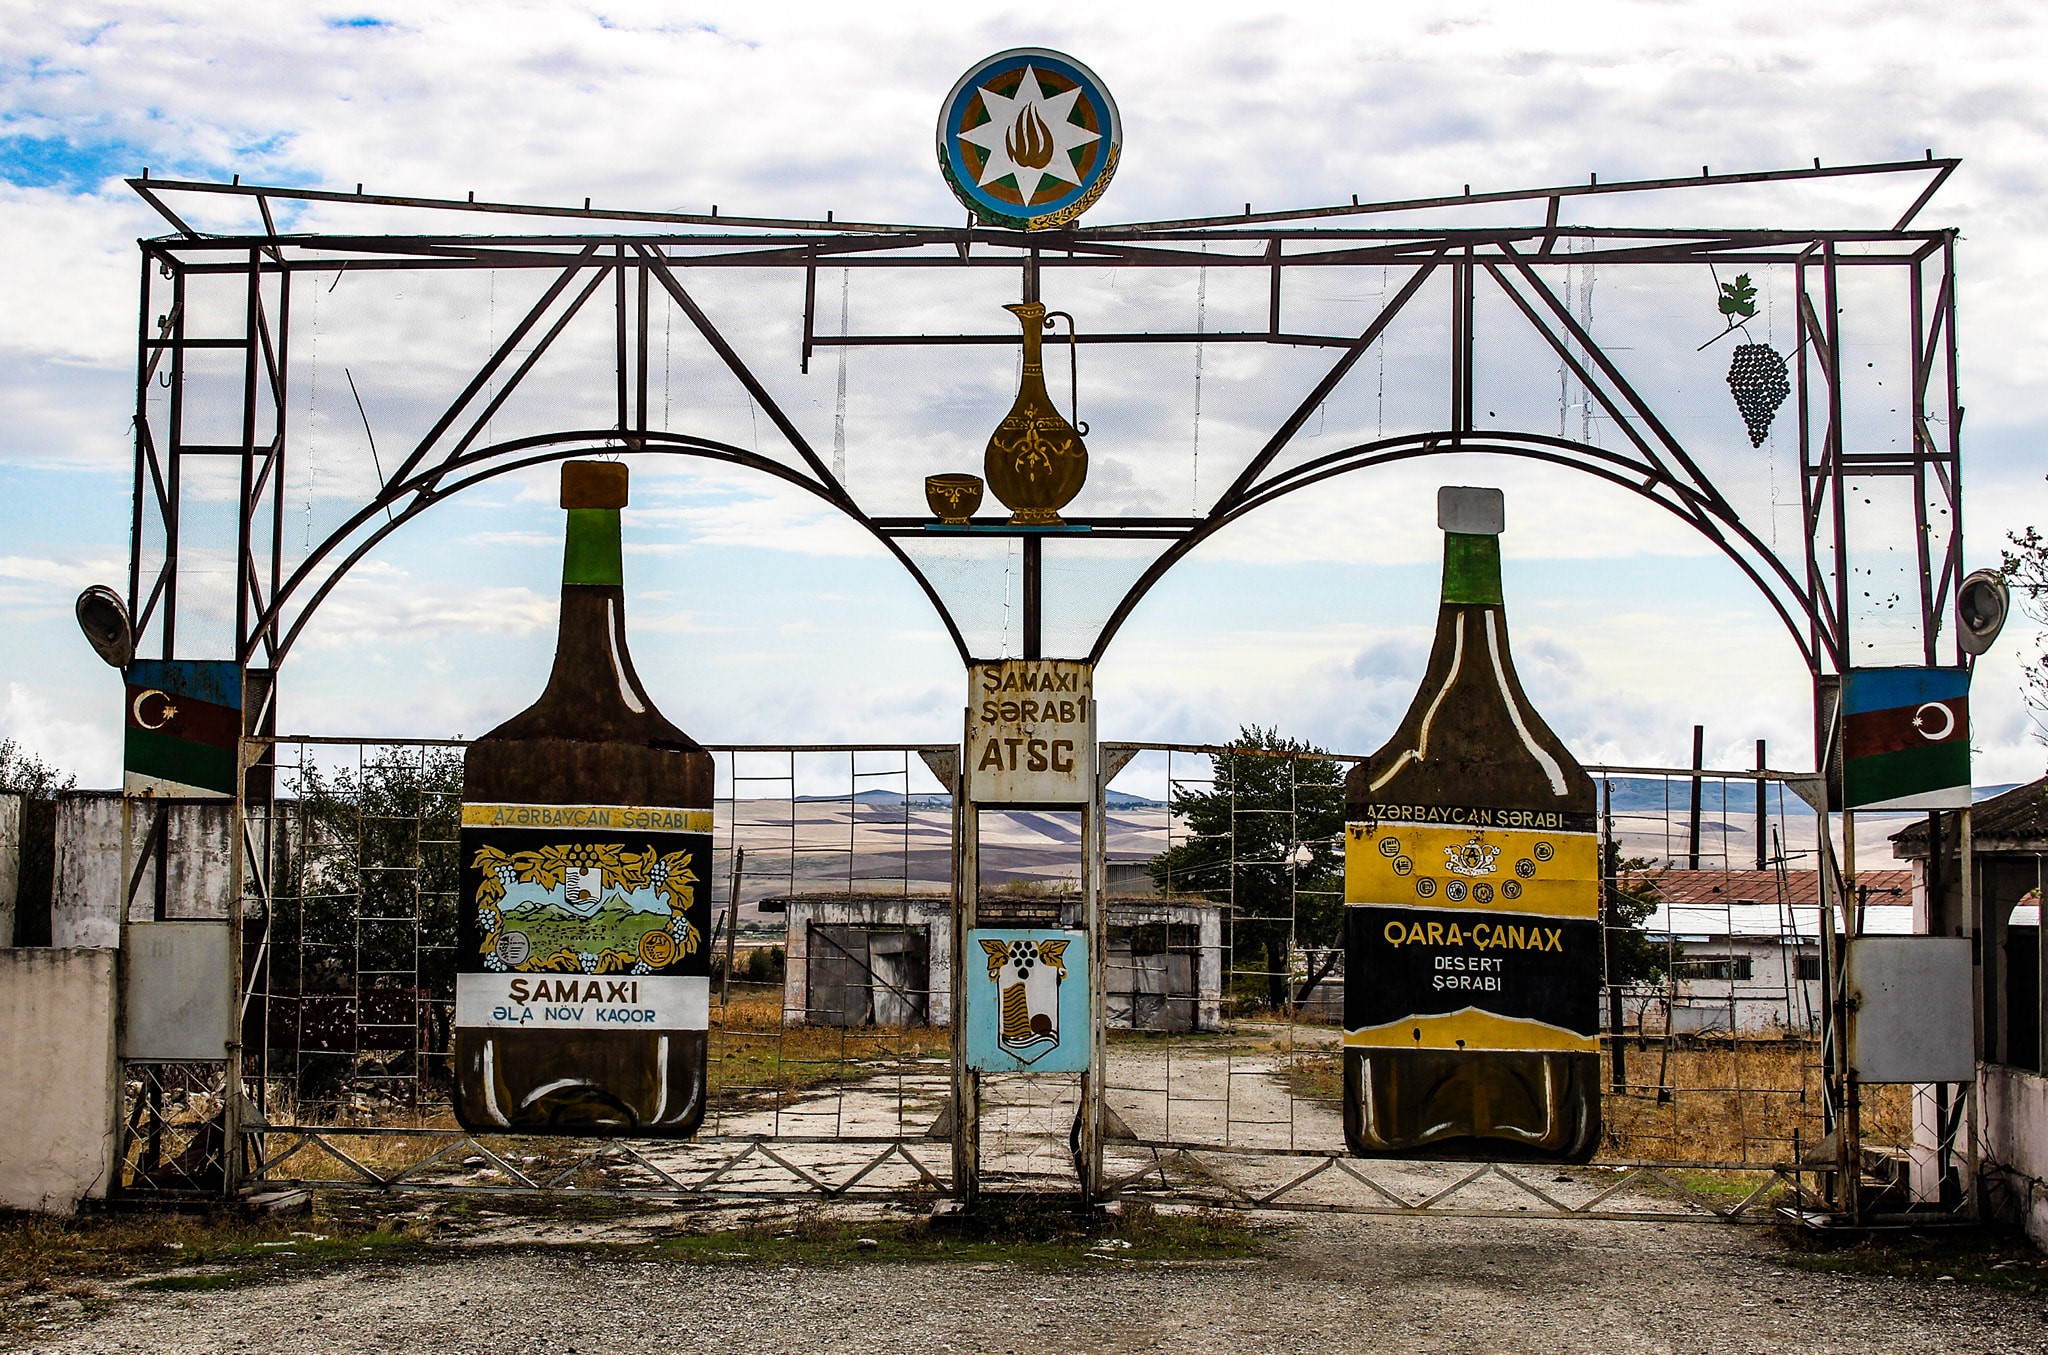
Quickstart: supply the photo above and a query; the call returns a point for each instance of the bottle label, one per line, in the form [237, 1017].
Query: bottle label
[583, 917]
[1471, 927]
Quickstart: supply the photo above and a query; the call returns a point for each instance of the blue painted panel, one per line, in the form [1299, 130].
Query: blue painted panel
[1027, 1000]
[215, 681]
[1866, 689]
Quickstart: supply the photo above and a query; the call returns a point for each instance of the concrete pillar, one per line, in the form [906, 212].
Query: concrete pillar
[57, 1011]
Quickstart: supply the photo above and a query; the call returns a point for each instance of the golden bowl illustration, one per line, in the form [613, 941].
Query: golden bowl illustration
[953, 497]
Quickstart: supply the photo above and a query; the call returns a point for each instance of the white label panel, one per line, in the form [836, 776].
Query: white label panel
[583, 1001]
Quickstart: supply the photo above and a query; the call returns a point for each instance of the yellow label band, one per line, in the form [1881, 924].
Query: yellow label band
[1555, 874]
[622, 818]
[1471, 1029]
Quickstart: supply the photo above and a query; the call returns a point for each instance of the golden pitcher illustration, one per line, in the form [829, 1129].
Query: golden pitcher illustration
[1036, 461]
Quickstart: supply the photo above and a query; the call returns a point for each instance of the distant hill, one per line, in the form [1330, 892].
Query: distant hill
[1115, 799]
[1646, 794]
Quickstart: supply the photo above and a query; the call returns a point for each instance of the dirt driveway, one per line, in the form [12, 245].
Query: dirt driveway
[1326, 1283]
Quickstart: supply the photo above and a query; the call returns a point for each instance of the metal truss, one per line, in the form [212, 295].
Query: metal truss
[625, 259]
[1636, 1192]
[706, 1168]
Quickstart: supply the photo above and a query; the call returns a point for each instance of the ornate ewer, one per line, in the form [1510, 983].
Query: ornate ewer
[1036, 461]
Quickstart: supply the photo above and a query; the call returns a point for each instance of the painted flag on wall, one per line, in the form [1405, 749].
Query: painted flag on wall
[184, 722]
[1906, 738]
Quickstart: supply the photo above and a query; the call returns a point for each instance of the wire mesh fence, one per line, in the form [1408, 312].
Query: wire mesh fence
[831, 1038]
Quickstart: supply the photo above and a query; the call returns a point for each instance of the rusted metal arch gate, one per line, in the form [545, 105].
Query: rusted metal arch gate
[1809, 589]
[642, 254]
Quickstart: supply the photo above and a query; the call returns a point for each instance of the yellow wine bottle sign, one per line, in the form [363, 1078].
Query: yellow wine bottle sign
[1480, 928]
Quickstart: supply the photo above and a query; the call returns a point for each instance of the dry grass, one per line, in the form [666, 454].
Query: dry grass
[1713, 1101]
[1733, 1101]
[754, 1057]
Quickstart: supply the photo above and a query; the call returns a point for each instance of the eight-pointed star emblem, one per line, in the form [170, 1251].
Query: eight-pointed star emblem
[1028, 136]
[1029, 139]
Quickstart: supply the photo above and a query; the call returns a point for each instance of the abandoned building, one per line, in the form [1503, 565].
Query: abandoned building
[2008, 850]
[885, 960]
[1742, 949]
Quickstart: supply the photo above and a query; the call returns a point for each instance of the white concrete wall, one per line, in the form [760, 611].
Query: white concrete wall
[2013, 1115]
[87, 885]
[1771, 1001]
[60, 1107]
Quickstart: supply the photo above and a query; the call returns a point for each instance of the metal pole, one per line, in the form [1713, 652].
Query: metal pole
[732, 922]
[1762, 821]
[1966, 878]
[231, 1089]
[1093, 926]
[1692, 831]
[1610, 879]
[966, 892]
[1034, 575]
[1849, 1141]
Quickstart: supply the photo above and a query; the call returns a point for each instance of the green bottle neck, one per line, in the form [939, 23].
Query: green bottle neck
[592, 553]
[1471, 569]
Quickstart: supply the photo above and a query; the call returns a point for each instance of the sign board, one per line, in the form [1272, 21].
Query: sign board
[1906, 738]
[1027, 1000]
[1031, 733]
[583, 918]
[177, 990]
[184, 725]
[1479, 926]
[1911, 996]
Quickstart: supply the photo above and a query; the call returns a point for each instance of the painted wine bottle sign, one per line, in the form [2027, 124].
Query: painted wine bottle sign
[1471, 889]
[582, 993]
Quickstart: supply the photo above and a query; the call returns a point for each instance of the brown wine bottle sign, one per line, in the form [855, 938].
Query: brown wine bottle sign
[1478, 936]
[583, 918]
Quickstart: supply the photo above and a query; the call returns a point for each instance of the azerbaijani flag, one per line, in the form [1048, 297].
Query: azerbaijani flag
[183, 728]
[1906, 738]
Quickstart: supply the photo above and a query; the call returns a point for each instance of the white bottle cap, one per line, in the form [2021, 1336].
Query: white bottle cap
[1470, 511]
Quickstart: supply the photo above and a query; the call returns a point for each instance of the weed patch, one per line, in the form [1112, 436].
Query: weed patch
[1993, 1258]
[1040, 1234]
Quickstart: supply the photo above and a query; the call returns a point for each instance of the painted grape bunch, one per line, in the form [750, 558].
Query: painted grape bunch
[1756, 377]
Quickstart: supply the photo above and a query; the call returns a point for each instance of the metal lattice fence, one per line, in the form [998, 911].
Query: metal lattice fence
[830, 1043]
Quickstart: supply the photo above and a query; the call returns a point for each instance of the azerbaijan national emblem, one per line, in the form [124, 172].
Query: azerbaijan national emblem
[1027, 975]
[1029, 139]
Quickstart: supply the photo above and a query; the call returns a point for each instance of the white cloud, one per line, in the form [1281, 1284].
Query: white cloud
[1290, 106]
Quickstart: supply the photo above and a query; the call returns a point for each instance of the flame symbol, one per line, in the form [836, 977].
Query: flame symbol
[1029, 140]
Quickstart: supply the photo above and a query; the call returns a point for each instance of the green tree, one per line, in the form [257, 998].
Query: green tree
[1265, 838]
[2025, 567]
[1629, 894]
[23, 773]
[361, 953]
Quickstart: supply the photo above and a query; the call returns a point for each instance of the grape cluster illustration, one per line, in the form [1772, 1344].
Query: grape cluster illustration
[1757, 380]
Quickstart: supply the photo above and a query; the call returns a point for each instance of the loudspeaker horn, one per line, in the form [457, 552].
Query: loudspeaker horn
[1981, 605]
[104, 619]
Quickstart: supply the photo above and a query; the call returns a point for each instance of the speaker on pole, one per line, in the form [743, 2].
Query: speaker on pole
[1981, 605]
[104, 619]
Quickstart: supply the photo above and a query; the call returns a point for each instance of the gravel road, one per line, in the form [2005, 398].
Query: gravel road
[1329, 1283]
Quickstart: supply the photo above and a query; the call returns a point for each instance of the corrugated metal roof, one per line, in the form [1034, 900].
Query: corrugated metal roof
[1762, 886]
[2016, 820]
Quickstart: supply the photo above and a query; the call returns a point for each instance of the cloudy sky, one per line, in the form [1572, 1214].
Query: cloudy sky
[757, 616]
